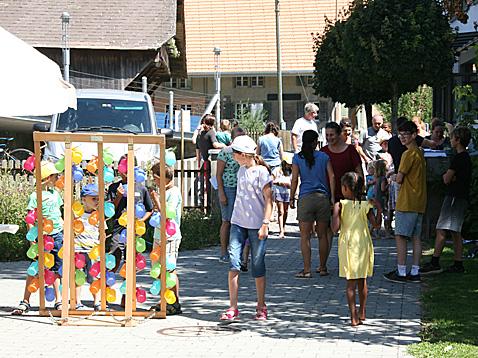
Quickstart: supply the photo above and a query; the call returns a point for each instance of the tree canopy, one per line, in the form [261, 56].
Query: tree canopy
[384, 48]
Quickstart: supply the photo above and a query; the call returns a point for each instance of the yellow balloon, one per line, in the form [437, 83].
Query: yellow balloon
[94, 253]
[110, 295]
[76, 156]
[49, 260]
[140, 228]
[60, 253]
[169, 296]
[123, 219]
[78, 208]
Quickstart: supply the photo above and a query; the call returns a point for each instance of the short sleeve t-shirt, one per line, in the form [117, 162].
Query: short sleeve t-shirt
[51, 207]
[206, 141]
[249, 206]
[141, 195]
[371, 142]
[300, 126]
[312, 180]
[396, 149]
[346, 161]
[412, 196]
[89, 238]
[270, 150]
[173, 200]
[224, 137]
[229, 176]
[461, 165]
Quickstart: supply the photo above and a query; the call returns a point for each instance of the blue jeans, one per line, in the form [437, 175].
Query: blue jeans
[237, 239]
[226, 210]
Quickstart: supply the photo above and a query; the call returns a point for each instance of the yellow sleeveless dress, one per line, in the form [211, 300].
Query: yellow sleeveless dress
[355, 244]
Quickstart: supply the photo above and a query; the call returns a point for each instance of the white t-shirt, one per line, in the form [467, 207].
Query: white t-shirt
[300, 126]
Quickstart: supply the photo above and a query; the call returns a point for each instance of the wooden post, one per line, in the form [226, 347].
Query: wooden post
[41, 253]
[101, 226]
[162, 197]
[182, 156]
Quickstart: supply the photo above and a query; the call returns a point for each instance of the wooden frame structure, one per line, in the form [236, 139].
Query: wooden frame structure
[68, 279]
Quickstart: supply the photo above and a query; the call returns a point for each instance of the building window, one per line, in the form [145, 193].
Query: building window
[310, 81]
[179, 83]
[240, 108]
[186, 107]
[242, 81]
[257, 81]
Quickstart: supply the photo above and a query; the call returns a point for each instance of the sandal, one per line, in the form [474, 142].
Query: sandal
[231, 314]
[97, 307]
[303, 274]
[23, 307]
[57, 306]
[261, 314]
[322, 271]
[81, 307]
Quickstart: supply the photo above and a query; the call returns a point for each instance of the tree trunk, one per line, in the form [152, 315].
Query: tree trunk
[394, 107]
[368, 112]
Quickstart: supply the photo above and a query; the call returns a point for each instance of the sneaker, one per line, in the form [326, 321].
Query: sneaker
[173, 309]
[244, 267]
[224, 259]
[413, 278]
[455, 269]
[393, 276]
[429, 269]
[231, 314]
[261, 314]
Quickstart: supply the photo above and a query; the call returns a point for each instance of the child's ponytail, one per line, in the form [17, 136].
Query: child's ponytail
[260, 161]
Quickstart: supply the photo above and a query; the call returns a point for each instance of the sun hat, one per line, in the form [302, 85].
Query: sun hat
[244, 144]
[47, 169]
[89, 190]
[287, 157]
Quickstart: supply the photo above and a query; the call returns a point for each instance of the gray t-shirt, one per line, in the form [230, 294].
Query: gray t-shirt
[371, 142]
[248, 210]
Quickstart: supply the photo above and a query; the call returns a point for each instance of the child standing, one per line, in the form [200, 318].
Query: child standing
[355, 244]
[370, 180]
[380, 188]
[458, 180]
[250, 220]
[88, 239]
[224, 136]
[174, 204]
[51, 209]
[281, 190]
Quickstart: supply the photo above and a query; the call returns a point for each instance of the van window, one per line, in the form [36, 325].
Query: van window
[93, 112]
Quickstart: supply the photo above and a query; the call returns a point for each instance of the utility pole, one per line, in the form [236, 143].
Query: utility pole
[217, 55]
[279, 67]
[65, 24]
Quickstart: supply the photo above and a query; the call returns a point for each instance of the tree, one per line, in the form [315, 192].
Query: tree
[385, 48]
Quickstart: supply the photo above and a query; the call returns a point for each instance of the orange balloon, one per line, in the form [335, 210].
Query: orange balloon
[78, 226]
[155, 254]
[123, 271]
[95, 287]
[93, 219]
[47, 226]
[34, 285]
[92, 166]
[60, 253]
[60, 182]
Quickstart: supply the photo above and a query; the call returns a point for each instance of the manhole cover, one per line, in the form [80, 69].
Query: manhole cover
[199, 331]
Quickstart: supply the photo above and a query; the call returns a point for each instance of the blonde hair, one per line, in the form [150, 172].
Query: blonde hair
[225, 125]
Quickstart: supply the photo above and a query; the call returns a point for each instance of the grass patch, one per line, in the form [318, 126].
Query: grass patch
[450, 313]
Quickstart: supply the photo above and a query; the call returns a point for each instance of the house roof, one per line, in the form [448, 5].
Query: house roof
[245, 31]
[105, 24]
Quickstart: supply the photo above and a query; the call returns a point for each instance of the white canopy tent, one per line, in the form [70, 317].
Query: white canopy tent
[30, 83]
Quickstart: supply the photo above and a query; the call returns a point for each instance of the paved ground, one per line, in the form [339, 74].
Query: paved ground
[308, 318]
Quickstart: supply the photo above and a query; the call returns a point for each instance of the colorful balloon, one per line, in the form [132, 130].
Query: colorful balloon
[94, 253]
[110, 261]
[123, 219]
[49, 260]
[32, 270]
[32, 251]
[60, 164]
[92, 165]
[139, 210]
[139, 175]
[155, 270]
[76, 155]
[29, 163]
[108, 174]
[155, 288]
[60, 253]
[123, 236]
[95, 269]
[140, 262]
[170, 158]
[32, 234]
[48, 243]
[140, 295]
[78, 226]
[169, 296]
[110, 295]
[123, 287]
[49, 277]
[170, 227]
[140, 244]
[60, 182]
[109, 209]
[80, 277]
[80, 260]
[77, 173]
[78, 208]
[49, 294]
[47, 226]
[170, 263]
[155, 219]
[140, 228]
[93, 218]
[34, 285]
[110, 278]
[107, 157]
[123, 166]
[155, 254]
[170, 279]
[170, 212]
[123, 271]
[95, 287]
[60, 271]
[31, 216]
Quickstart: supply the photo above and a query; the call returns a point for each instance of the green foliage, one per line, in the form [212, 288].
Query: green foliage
[418, 103]
[252, 121]
[14, 192]
[385, 48]
[450, 321]
[199, 230]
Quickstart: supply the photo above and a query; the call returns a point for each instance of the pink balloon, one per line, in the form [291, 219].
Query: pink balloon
[140, 295]
[31, 217]
[48, 243]
[123, 166]
[140, 261]
[95, 269]
[170, 227]
[80, 260]
[49, 277]
[29, 163]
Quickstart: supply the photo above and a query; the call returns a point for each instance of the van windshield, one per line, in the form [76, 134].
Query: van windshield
[132, 116]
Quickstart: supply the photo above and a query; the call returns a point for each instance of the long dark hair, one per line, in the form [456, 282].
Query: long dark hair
[309, 143]
[354, 182]
[271, 127]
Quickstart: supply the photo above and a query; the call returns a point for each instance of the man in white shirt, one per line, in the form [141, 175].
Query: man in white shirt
[307, 122]
[370, 140]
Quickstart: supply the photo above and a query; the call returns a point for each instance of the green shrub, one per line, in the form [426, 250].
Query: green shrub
[199, 230]
[14, 192]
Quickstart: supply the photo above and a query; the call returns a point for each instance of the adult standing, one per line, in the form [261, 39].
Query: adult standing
[270, 146]
[307, 122]
[370, 139]
[317, 187]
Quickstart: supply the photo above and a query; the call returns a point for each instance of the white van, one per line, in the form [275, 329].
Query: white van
[107, 111]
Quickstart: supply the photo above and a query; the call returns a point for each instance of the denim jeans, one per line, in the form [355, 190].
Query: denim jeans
[237, 239]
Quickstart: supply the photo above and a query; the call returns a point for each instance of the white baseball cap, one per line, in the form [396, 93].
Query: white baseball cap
[244, 144]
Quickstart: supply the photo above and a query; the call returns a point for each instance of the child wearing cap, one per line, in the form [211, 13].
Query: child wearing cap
[51, 210]
[281, 190]
[250, 220]
[88, 238]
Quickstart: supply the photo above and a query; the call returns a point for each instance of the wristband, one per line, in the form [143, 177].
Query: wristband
[265, 222]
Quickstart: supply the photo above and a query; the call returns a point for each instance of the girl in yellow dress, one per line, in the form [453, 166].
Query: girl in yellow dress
[355, 243]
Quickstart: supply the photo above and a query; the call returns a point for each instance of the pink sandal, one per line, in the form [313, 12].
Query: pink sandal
[261, 314]
[230, 315]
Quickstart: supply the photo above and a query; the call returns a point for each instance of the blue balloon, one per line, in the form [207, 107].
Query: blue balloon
[170, 263]
[110, 261]
[125, 187]
[155, 287]
[139, 210]
[77, 173]
[155, 219]
[170, 158]
[49, 294]
[139, 175]
[60, 270]
[109, 209]
[110, 278]
[123, 236]
[108, 174]
[33, 269]
[123, 287]
[32, 234]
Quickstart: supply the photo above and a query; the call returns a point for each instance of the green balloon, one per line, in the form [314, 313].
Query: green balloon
[32, 251]
[170, 280]
[155, 270]
[80, 277]
[140, 244]
[170, 212]
[107, 158]
[60, 164]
